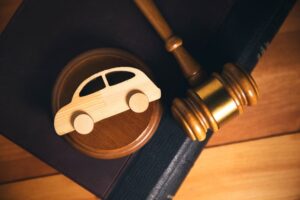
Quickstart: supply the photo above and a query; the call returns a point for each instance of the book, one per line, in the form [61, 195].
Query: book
[44, 35]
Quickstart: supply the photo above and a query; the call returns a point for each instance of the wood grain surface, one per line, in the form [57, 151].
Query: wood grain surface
[267, 167]
[17, 164]
[56, 187]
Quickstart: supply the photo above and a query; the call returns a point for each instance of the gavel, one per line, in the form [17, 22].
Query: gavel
[211, 101]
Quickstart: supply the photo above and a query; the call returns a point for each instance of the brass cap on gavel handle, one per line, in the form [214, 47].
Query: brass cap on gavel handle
[215, 102]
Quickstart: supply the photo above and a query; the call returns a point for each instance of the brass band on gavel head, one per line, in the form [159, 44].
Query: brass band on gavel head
[216, 101]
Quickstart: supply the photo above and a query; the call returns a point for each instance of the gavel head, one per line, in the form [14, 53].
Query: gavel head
[216, 101]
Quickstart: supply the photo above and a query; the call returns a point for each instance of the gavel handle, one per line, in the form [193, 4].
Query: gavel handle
[190, 68]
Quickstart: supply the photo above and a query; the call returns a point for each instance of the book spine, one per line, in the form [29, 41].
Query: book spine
[158, 169]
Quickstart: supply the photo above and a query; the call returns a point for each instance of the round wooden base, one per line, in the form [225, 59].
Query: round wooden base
[117, 136]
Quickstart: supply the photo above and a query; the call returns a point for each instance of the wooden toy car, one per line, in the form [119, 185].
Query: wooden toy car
[120, 89]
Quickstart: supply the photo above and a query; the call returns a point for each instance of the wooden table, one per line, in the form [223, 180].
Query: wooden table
[254, 157]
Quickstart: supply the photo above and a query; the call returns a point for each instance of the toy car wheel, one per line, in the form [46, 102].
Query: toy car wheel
[83, 124]
[138, 102]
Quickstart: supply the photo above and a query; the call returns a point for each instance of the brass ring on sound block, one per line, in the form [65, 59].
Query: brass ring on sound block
[215, 102]
[117, 136]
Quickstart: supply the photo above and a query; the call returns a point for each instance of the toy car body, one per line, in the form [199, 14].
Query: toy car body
[113, 99]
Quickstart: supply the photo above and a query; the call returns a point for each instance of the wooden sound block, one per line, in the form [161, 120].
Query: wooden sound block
[116, 136]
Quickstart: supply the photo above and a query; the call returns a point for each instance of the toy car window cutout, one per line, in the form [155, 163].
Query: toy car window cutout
[92, 86]
[117, 77]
